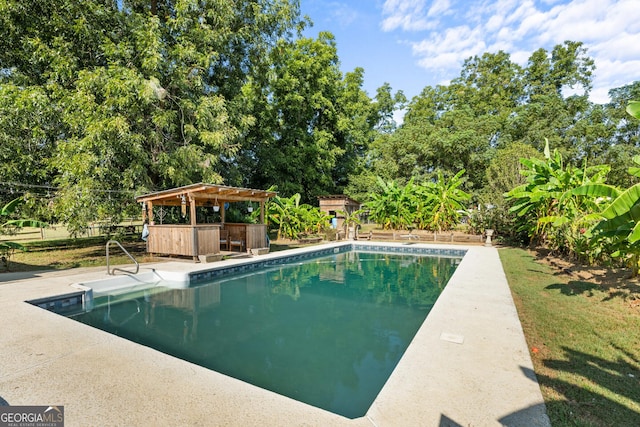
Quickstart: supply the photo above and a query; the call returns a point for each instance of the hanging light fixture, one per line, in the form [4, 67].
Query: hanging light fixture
[216, 206]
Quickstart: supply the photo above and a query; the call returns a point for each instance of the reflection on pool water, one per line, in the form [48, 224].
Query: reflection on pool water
[328, 331]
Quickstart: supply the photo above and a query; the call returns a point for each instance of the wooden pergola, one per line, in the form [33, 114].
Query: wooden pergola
[195, 239]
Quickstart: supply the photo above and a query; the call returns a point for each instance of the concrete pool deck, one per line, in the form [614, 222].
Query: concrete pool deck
[468, 365]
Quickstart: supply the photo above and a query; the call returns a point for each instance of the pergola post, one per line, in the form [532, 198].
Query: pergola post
[150, 211]
[262, 205]
[192, 209]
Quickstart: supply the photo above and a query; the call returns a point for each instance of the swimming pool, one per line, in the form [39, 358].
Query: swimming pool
[480, 378]
[326, 327]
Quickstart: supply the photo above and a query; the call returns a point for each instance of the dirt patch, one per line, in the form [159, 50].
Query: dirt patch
[616, 282]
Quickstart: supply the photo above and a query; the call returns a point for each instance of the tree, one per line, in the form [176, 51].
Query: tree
[455, 138]
[544, 111]
[313, 124]
[627, 126]
[28, 123]
[623, 143]
[381, 126]
[293, 142]
[492, 104]
[141, 95]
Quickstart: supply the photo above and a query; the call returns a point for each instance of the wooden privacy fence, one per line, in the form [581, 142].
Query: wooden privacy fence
[422, 236]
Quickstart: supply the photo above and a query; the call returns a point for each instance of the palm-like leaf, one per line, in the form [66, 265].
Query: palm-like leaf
[392, 206]
[11, 245]
[634, 109]
[10, 207]
[624, 203]
[596, 190]
[7, 247]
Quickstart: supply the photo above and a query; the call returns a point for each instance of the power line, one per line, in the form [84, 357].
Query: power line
[51, 188]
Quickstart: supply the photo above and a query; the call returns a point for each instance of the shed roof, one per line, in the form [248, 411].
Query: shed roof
[339, 197]
[203, 193]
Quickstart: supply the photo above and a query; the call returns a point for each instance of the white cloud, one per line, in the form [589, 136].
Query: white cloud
[439, 7]
[450, 31]
[408, 15]
[449, 49]
[341, 13]
[612, 74]
[520, 56]
[624, 47]
[495, 23]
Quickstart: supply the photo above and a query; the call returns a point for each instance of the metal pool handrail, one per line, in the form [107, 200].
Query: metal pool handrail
[111, 271]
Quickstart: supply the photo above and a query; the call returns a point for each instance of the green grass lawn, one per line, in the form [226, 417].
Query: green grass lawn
[71, 253]
[60, 254]
[584, 342]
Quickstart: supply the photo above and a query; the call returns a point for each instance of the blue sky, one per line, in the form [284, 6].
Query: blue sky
[416, 43]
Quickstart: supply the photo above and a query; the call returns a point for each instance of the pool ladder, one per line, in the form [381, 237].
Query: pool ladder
[111, 271]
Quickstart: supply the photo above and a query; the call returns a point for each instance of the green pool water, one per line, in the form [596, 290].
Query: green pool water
[327, 332]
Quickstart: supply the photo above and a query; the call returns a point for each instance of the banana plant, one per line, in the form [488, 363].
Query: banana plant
[633, 108]
[293, 218]
[7, 248]
[312, 219]
[393, 206]
[621, 218]
[547, 207]
[351, 219]
[440, 202]
[281, 211]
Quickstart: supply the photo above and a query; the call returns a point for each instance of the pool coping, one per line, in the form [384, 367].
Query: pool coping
[467, 365]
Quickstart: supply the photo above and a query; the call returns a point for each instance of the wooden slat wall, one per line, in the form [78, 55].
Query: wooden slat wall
[254, 235]
[179, 239]
[170, 239]
[208, 239]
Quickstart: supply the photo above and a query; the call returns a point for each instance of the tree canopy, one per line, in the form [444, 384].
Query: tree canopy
[101, 100]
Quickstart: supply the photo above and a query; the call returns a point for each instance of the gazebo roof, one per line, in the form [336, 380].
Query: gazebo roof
[203, 194]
